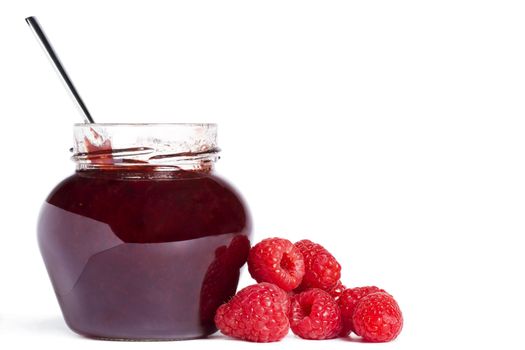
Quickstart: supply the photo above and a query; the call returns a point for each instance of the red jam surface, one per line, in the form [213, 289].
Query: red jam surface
[143, 255]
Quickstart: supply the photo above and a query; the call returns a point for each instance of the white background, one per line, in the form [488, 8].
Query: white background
[392, 132]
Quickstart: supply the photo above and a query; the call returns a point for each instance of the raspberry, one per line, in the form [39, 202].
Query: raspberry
[347, 302]
[321, 269]
[337, 290]
[257, 313]
[314, 314]
[278, 261]
[377, 318]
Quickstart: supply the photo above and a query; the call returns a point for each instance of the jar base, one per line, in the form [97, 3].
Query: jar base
[139, 340]
[205, 334]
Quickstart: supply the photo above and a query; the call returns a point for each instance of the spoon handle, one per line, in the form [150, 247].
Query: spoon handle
[46, 45]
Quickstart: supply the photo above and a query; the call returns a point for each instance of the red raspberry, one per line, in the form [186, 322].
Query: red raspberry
[314, 314]
[337, 290]
[322, 270]
[278, 261]
[377, 318]
[257, 313]
[291, 293]
[347, 302]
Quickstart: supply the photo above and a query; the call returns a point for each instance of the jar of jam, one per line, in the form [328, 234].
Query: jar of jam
[143, 241]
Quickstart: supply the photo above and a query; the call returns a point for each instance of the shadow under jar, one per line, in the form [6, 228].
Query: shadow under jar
[143, 241]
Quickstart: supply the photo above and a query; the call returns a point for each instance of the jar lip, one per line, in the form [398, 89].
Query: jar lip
[88, 125]
[188, 146]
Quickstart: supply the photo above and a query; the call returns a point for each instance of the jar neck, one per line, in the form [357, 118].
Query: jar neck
[145, 147]
[145, 160]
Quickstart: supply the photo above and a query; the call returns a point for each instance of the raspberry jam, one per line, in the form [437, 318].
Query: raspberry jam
[144, 242]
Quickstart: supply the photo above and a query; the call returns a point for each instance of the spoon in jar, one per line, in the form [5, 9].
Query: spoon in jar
[46, 45]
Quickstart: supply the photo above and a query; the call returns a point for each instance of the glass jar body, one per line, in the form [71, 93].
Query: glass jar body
[143, 255]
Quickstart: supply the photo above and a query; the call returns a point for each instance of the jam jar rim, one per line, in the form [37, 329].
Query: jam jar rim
[163, 146]
[88, 125]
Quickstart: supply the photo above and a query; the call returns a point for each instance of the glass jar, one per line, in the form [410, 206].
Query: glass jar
[143, 241]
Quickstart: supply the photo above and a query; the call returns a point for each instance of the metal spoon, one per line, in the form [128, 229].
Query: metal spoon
[46, 45]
